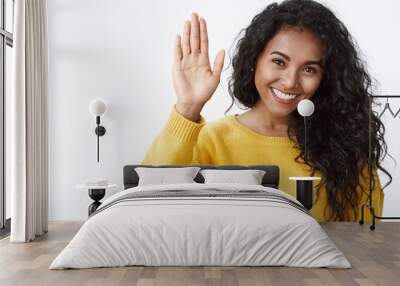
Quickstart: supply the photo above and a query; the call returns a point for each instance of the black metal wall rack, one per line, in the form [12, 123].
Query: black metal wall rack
[368, 203]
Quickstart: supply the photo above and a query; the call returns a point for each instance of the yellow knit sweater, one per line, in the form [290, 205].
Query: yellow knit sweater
[228, 142]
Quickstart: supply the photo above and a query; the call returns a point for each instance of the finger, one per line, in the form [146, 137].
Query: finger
[194, 34]
[178, 51]
[185, 39]
[203, 36]
[219, 63]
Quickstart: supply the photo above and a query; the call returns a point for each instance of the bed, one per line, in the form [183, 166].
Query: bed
[201, 224]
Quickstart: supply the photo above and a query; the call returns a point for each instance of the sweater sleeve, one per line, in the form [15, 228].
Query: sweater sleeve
[177, 144]
[377, 196]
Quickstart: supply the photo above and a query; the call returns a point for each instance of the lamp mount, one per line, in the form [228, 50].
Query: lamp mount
[100, 130]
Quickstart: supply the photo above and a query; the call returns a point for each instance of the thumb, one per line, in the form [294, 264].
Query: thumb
[219, 63]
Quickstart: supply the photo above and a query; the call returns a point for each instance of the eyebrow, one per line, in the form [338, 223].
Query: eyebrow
[314, 62]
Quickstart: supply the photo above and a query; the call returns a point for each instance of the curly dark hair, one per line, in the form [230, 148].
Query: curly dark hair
[339, 145]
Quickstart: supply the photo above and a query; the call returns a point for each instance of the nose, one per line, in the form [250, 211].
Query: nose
[289, 79]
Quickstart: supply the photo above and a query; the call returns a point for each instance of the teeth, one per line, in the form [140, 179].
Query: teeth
[282, 95]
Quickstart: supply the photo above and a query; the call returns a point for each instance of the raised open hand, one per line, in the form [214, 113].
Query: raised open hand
[194, 80]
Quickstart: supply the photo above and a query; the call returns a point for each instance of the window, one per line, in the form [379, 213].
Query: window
[6, 44]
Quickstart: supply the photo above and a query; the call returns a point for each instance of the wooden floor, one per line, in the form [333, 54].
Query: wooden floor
[374, 255]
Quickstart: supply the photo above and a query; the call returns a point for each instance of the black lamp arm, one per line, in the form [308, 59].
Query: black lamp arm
[100, 131]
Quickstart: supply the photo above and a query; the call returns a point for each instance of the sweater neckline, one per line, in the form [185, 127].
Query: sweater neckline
[254, 134]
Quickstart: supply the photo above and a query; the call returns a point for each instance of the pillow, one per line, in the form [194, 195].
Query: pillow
[249, 177]
[163, 176]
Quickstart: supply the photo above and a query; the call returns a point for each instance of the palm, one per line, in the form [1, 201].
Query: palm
[194, 80]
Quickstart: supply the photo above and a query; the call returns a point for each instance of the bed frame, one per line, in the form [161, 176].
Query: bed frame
[270, 179]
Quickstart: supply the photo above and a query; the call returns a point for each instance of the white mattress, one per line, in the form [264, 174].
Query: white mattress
[200, 231]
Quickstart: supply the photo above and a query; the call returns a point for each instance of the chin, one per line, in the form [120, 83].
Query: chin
[277, 110]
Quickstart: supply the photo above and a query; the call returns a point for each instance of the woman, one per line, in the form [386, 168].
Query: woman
[291, 51]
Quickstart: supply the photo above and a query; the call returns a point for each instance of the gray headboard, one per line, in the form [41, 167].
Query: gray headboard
[271, 177]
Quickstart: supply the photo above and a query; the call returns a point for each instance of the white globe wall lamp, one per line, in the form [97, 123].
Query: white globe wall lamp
[97, 108]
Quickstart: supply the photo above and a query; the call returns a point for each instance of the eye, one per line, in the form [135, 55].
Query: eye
[310, 70]
[279, 62]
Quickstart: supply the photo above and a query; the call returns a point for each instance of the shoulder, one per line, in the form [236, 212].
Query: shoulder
[217, 131]
[214, 134]
[218, 126]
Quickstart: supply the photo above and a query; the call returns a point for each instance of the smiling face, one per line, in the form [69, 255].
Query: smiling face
[288, 70]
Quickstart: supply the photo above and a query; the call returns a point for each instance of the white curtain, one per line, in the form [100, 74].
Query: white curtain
[28, 121]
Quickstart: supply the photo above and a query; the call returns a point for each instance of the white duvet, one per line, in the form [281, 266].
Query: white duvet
[200, 231]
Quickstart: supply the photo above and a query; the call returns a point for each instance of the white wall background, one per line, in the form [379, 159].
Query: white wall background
[121, 51]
